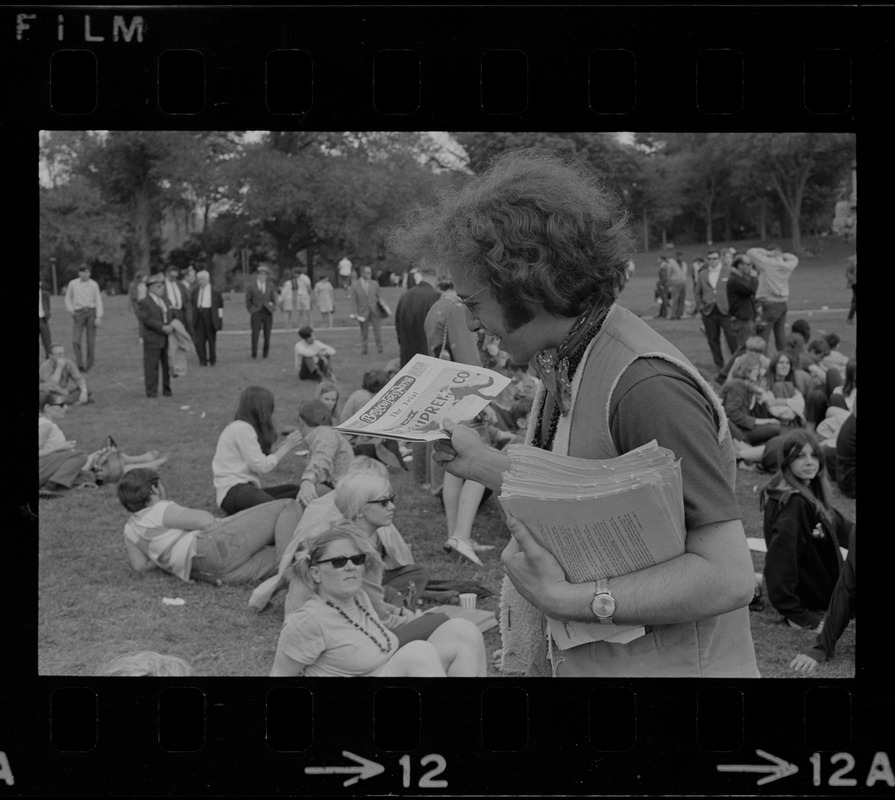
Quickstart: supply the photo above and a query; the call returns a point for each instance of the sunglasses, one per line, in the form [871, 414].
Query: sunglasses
[384, 501]
[62, 405]
[340, 562]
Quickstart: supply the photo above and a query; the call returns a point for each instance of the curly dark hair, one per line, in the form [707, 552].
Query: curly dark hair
[536, 228]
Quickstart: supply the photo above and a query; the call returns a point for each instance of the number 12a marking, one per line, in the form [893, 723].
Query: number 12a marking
[427, 781]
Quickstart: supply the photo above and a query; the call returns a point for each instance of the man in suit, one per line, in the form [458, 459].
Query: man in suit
[711, 300]
[178, 297]
[261, 301]
[155, 320]
[208, 317]
[410, 315]
[43, 317]
[365, 296]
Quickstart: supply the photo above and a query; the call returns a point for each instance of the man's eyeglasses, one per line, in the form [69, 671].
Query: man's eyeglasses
[340, 562]
[384, 501]
[464, 301]
[63, 405]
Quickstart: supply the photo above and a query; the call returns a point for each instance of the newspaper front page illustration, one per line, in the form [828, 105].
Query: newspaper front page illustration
[414, 405]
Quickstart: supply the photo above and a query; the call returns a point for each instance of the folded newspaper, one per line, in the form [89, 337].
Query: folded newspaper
[599, 518]
[413, 406]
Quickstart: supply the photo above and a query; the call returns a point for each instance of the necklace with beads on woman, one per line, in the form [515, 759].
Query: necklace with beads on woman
[383, 648]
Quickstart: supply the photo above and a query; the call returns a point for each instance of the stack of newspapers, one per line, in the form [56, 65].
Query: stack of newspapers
[599, 518]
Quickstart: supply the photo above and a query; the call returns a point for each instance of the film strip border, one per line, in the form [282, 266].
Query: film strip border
[621, 68]
[670, 738]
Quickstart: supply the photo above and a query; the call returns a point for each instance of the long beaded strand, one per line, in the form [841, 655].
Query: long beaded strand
[363, 630]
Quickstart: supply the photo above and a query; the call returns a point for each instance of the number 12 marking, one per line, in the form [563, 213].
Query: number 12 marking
[426, 781]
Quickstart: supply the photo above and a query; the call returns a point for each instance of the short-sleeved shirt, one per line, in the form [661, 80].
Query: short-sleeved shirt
[55, 439]
[650, 393]
[328, 645]
[170, 549]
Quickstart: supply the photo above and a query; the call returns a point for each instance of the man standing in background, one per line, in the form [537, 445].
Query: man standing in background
[178, 297]
[261, 300]
[774, 268]
[208, 317]
[410, 326]
[711, 300]
[84, 301]
[155, 317]
[365, 296]
[345, 273]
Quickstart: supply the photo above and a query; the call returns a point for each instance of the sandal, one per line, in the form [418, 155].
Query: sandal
[464, 548]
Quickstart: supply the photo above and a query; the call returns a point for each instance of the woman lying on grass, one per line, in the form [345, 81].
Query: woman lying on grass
[337, 632]
[193, 544]
[61, 466]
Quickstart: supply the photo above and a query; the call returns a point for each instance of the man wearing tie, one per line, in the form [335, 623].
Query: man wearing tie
[84, 302]
[43, 316]
[365, 295]
[155, 322]
[261, 300]
[178, 298]
[208, 317]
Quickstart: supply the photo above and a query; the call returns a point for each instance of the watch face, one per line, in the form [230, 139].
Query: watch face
[603, 605]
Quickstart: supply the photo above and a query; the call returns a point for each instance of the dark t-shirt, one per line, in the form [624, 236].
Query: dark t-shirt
[656, 400]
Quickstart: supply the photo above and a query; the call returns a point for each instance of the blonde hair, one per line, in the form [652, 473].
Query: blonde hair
[357, 488]
[145, 663]
[310, 550]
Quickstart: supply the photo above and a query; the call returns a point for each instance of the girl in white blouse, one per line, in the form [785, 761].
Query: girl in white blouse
[245, 451]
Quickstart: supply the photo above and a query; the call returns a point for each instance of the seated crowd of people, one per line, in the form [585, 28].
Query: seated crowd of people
[328, 539]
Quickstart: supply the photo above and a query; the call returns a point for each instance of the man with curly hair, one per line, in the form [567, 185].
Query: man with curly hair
[537, 249]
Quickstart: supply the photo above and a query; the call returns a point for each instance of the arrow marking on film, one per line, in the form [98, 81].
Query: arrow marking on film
[365, 769]
[779, 769]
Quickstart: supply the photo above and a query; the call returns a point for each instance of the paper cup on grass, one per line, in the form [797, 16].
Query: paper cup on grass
[467, 599]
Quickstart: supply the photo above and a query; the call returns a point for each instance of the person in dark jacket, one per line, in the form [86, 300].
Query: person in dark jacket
[803, 533]
[155, 321]
[741, 286]
[839, 614]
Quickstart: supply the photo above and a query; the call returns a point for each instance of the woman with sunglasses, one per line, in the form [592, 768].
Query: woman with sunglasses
[366, 503]
[61, 466]
[337, 632]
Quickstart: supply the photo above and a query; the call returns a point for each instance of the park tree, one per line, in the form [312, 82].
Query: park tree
[330, 190]
[802, 169]
[146, 174]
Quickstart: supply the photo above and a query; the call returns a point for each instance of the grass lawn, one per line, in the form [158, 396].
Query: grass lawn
[92, 607]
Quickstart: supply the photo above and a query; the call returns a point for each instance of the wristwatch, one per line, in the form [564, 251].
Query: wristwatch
[603, 604]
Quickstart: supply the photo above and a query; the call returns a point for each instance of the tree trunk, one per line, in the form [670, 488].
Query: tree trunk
[763, 220]
[645, 232]
[141, 219]
[709, 233]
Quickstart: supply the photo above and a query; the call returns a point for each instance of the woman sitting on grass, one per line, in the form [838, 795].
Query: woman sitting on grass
[245, 451]
[743, 398]
[328, 393]
[61, 466]
[803, 533]
[329, 452]
[788, 403]
[193, 544]
[337, 632]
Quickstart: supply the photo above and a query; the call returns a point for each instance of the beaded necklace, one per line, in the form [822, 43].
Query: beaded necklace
[383, 648]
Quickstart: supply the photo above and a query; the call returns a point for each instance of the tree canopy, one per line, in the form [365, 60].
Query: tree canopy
[310, 197]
